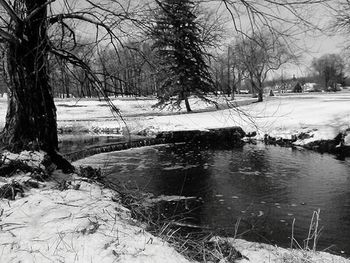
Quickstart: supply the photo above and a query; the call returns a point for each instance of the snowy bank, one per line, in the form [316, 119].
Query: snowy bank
[77, 223]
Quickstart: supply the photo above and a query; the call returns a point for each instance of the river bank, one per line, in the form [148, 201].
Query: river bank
[68, 218]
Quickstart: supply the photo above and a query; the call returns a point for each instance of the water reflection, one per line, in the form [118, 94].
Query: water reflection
[76, 142]
[265, 186]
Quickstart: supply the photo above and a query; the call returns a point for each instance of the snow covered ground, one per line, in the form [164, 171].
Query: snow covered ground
[138, 114]
[322, 114]
[73, 225]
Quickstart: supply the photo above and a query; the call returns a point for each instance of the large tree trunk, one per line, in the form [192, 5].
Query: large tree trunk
[31, 115]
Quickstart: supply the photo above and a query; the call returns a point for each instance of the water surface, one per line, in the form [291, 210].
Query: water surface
[265, 186]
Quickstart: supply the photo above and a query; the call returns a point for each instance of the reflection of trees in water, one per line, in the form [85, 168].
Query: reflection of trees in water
[244, 171]
[256, 159]
[183, 170]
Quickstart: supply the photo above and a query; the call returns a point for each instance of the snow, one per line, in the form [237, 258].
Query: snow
[82, 225]
[321, 115]
[347, 140]
[30, 158]
[95, 116]
[282, 116]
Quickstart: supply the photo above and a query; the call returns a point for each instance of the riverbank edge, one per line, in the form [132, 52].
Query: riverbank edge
[338, 146]
[228, 137]
[224, 137]
[47, 215]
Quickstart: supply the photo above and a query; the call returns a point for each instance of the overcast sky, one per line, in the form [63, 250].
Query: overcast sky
[313, 46]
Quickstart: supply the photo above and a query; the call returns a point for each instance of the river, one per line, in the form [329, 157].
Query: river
[266, 187]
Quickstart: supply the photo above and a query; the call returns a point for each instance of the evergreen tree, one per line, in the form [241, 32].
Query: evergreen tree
[182, 67]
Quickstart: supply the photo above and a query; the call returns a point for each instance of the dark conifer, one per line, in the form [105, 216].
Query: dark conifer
[183, 70]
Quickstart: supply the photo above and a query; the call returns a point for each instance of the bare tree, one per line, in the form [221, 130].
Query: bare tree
[129, 70]
[251, 16]
[330, 68]
[259, 54]
[26, 27]
[341, 18]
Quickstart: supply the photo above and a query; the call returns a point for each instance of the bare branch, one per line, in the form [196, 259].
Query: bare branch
[38, 9]
[7, 36]
[10, 11]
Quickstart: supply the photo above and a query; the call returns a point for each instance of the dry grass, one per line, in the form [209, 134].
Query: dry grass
[310, 243]
[306, 253]
[192, 241]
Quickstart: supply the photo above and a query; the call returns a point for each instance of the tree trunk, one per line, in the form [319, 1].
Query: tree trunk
[31, 115]
[187, 103]
[257, 87]
[260, 90]
[233, 87]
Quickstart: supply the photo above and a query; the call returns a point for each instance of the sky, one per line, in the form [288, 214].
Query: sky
[312, 45]
[315, 46]
[324, 45]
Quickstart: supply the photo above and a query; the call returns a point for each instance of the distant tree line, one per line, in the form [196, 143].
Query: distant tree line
[126, 70]
[132, 70]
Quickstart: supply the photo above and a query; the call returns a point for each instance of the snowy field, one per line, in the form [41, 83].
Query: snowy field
[325, 114]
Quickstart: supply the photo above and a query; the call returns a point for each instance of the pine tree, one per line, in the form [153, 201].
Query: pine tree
[183, 70]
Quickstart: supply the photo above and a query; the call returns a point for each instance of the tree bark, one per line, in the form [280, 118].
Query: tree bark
[257, 87]
[31, 115]
[184, 96]
[260, 90]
